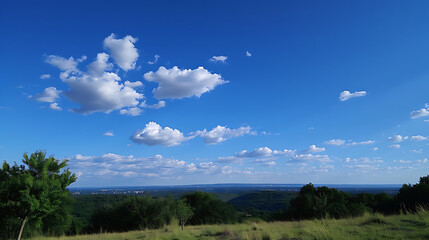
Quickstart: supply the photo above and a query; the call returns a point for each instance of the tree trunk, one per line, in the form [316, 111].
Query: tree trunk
[22, 228]
[182, 224]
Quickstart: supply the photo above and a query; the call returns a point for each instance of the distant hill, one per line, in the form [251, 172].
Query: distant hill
[263, 200]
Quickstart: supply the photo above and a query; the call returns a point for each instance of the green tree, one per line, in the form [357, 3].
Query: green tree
[183, 213]
[35, 189]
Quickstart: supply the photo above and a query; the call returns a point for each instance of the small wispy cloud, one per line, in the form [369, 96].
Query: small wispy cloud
[155, 59]
[109, 134]
[45, 76]
[219, 59]
[346, 95]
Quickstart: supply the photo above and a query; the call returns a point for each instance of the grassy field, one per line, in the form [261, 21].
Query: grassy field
[369, 226]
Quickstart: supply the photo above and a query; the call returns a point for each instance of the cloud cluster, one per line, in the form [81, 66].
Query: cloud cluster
[222, 133]
[346, 95]
[262, 152]
[99, 89]
[110, 164]
[178, 83]
[154, 134]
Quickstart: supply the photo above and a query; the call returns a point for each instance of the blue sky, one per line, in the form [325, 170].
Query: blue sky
[187, 92]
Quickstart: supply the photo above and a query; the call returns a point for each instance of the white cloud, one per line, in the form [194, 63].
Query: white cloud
[97, 90]
[424, 112]
[257, 152]
[311, 158]
[109, 134]
[395, 146]
[206, 165]
[45, 76]
[155, 59]
[248, 54]
[346, 95]
[362, 160]
[397, 138]
[100, 65]
[134, 111]
[50, 95]
[63, 64]
[262, 152]
[154, 134]
[129, 166]
[219, 59]
[314, 149]
[133, 84]
[123, 51]
[374, 148]
[54, 106]
[222, 133]
[335, 142]
[270, 163]
[157, 105]
[418, 138]
[361, 143]
[177, 83]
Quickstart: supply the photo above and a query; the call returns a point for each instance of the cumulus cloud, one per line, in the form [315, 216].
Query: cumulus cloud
[219, 59]
[54, 106]
[134, 111]
[418, 138]
[50, 95]
[45, 76]
[222, 133]
[154, 134]
[122, 50]
[248, 54]
[374, 148]
[177, 83]
[397, 138]
[346, 95]
[98, 89]
[257, 152]
[335, 142]
[155, 59]
[395, 146]
[314, 149]
[423, 112]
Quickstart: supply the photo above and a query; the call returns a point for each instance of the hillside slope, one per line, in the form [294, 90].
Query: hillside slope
[370, 226]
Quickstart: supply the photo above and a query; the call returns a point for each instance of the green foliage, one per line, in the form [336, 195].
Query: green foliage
[33, 191]
[209, 210]
[412, 197]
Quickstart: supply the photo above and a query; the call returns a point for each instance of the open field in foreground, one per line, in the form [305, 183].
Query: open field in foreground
[369, 226]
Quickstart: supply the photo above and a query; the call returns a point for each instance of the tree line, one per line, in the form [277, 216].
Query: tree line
[34, 200]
